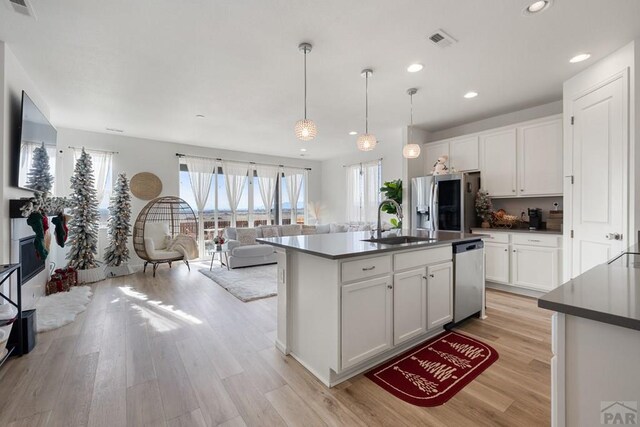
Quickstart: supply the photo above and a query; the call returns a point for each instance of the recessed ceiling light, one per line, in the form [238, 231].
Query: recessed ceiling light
[304, 150]
[200, 116]
[580, 57]
[414, 68]
[471, 94]
[537, 7]
[353, 132]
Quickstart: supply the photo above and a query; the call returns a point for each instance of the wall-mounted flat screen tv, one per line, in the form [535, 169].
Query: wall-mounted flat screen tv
[36, 154]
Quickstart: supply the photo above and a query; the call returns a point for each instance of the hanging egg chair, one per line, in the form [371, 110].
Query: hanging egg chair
[160, 221]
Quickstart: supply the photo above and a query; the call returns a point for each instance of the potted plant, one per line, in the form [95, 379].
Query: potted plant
[484, 207]
[392, 190]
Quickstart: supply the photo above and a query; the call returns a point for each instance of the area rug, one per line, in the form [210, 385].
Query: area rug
[433, 372]
[57, 310]
[246, 284]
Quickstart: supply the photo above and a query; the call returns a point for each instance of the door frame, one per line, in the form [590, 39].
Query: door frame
[568, 165]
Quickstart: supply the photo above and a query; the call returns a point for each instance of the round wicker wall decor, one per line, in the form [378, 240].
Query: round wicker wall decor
[145, 186]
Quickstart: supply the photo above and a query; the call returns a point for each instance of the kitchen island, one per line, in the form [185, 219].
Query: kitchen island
[346, 304]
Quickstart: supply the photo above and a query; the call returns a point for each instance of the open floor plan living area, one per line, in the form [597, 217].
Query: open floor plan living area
[296, 213]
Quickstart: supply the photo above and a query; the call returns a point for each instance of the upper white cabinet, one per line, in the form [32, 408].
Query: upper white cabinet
[464, 154]
[432, 152]
[498, 154]
[540, 159]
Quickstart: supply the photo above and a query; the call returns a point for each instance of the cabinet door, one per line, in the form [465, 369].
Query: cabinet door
[465, 154]
[366, 319]
[540, 159]
[439, 294]
[409, 304]
[432, 152]
[498, 163]
[496, 262]
[534, 267]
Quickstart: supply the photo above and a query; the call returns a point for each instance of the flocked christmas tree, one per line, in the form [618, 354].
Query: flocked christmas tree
[119, 223]
[83, 227]
[39, 177]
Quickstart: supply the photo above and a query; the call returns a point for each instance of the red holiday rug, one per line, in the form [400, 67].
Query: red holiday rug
[433, 372]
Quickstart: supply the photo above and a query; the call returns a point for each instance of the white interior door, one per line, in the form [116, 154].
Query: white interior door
[599, 168]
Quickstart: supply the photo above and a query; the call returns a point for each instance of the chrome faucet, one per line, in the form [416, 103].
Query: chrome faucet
[398, 210]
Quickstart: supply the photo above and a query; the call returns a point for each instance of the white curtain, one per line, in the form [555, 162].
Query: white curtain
[101, 161]
[201, 173]
[293, 179]
[235, 179]
[267, 183]
[353, 181]
[363, 191]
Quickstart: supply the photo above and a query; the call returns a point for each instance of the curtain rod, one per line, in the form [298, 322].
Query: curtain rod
[237, 161]
[93, 149]
[362, 163]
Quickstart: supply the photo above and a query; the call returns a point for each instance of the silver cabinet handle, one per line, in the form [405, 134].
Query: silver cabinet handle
[514, 251]
[513, 191]
[534, 240]
[389, 286]
[613, 236]
[506, 250]
[368, 268]
[424, 277]
[432, 276]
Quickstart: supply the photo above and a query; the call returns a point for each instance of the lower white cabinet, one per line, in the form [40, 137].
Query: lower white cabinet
[497, 262]
[439, 294]
[367, 319]
[534, 267]
[409, 304]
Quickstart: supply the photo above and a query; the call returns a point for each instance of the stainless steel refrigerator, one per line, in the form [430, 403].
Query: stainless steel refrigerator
[444, 202]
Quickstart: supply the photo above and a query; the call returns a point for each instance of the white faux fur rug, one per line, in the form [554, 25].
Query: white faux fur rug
[57, 310]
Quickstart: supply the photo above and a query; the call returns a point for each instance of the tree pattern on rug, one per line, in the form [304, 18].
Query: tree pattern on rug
[452, 358]
[422, 383]
[468, 350]
[441, 371]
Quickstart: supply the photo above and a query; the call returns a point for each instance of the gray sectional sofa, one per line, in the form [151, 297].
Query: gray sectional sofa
[244, 251]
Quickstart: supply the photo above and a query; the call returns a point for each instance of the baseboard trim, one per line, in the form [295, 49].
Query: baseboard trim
[514, 290]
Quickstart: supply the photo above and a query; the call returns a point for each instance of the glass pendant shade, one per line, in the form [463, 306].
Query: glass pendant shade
[366, 142]
[411, 151]
[306, 130]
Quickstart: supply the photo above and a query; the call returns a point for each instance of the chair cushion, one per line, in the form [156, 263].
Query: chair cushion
[252, 251]
[291, 230]
[323, 229]
[246, 236]
[158, 232]
[338, 228]
[230, 233]
[308, 229]
[270, 231]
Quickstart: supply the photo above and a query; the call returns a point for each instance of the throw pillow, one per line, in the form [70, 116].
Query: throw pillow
[338, 228]
[323, 229]
[246, 236]
[270, 232]
[308, 230]
[291, 230]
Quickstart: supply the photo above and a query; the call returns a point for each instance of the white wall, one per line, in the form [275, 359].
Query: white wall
[145, 155]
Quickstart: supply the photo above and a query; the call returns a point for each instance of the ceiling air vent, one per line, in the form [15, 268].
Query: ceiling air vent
[442, 39]
[22, 6]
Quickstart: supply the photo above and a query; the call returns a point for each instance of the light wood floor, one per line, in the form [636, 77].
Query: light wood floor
[178, 350]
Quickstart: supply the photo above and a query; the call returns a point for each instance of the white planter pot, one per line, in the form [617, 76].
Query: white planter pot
[91, 275]
[121, 270]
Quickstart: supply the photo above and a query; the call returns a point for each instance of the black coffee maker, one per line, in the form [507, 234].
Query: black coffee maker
[535, 218]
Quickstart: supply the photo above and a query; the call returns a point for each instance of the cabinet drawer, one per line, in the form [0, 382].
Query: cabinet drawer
[495, 237]
[413, 259]
[363, 268]
[536, 240]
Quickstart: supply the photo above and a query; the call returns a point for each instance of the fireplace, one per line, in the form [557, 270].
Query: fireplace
[32, 264]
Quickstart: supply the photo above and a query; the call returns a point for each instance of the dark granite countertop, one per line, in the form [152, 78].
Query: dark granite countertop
[346, 245]
[608, 293]
[514, 230]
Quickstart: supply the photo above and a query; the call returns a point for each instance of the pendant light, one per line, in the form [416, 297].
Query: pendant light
[411, 151]
[366, 141]
[305, 129]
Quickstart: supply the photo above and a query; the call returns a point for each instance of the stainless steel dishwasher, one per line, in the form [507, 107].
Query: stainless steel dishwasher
[468, 258]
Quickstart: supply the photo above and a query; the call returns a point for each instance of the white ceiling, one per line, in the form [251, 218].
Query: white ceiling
[149, 66]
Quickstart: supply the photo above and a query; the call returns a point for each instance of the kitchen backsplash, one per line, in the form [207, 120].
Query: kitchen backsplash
[516, 206]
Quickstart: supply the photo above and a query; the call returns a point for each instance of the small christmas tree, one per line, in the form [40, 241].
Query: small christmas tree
[119, 223]
[39, 177]
[83, 227]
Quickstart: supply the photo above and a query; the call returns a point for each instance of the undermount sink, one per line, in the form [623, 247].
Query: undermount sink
[398, 240]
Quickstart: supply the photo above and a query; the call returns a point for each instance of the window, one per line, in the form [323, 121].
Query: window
[293, 196]
[103, 179]
[363, 191]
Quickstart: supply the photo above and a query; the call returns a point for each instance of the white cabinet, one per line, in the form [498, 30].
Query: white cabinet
[534, 267]
[497, 262]
[439, 294]
[432, 152]
[366, 319]
[498, 163]
[409, 304]
[464, 154]
[540, 159]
